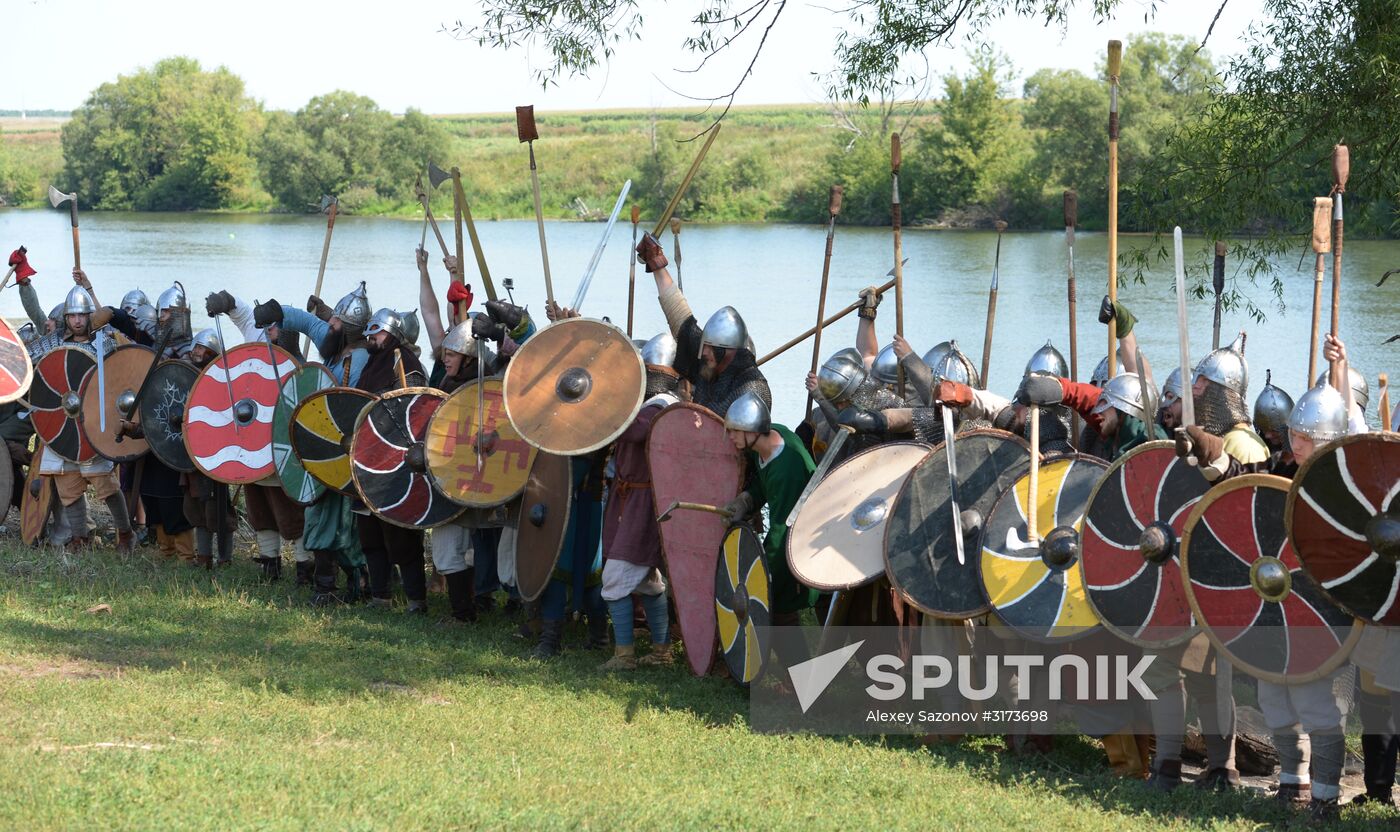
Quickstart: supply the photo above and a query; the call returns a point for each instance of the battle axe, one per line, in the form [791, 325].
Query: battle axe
[57, 198]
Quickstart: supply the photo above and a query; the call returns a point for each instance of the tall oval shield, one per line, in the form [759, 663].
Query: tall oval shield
[388, 463]
[692, 460]
[300, 486]
[124, 368]
[474, 453]
[16, 370]
[742, 598]
[322, 426]
[1130, 551]
[543, 523]
[1035, 589]
[55, 399]
[837, 540]
[1249, 591]
[228, 416]
[38, 492]
[574, 386]
[163, 412]
[921, 555]
[1343, 519]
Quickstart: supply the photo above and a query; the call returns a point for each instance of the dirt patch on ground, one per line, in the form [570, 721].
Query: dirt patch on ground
[62, 668]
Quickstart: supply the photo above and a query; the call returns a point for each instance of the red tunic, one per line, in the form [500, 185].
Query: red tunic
[630, 532]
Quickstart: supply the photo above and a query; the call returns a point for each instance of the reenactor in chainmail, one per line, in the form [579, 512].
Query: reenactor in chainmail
[173, 321]
[718, 360]
[1218, 389]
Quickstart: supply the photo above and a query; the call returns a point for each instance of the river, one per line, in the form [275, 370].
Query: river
[771, 273]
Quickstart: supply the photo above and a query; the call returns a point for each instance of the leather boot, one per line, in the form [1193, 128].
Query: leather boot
[598, 632]
[460, 595]
[1324, 811]
[78, 544]
[624, 658]
[305, 569]
[125, 541]
[1294, 794]
[551, 640]
[660, 655]
[1166, 776]
[1219, 780]
[323, 593]
[271, 568]
[417, 608]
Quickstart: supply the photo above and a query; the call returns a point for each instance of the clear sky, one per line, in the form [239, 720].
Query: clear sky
[395, 51]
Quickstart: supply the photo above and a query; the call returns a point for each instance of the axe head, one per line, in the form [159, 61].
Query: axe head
[525, 123]
[437, 175]
[57, 197]
[327, 201]
[902, 263]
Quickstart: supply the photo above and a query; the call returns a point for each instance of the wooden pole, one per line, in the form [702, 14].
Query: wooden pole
[1071, 220]
[991, 308]
[833, 208]
[896, 220]
[685, 184]
[1341, 171]
[632, 268]
[1218, 284]
[321, 272]
[879, 290]
[465, 210]
[527, 133]
[1115, 66]
[73, 215]
[1385, 401]
[1321, 244]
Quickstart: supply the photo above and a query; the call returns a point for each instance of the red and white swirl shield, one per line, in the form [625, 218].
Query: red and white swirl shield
[16, 371]
[228, 415]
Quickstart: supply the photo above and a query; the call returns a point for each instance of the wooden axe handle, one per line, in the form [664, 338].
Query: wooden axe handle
[895, 154]
[636, 213]
[1071, 209]
[833, 206]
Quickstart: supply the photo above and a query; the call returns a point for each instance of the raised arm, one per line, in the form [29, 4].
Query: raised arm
[428, 305]
[867, 343]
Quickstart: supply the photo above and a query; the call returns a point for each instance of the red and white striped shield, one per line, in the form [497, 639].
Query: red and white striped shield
[16, 371]
[228, 415]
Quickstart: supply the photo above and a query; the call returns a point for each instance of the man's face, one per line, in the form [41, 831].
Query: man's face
[1198, 386]
[201, 355]
[1111, 420]
[77, 324]
[742, 439]
[452, 362]
[50, 325]
[274, 332]
[164, 316]
[334, 323]
[1303, 447]
[1171, 415]
[379, 341]
[709, 363]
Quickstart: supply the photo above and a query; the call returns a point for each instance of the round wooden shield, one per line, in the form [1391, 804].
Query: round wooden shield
[574, 386]
[921, 555]
[543, 523]
[692, 460]
[837, 540]
[16, 370]
[388, 462]
[1343, 519]
[322, 425]
[1035, 589]
[741, 604]
[55, 399]
[300, 486]
[123, 369]
[228, 416]
[1130, 552]
[163, 412]
[34, 510]
[1249, 591]
[499, 471]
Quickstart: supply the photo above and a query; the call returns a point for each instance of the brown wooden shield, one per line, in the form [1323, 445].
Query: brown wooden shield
[1343, 518]
[499, 472]
[837, 539]
[124, 368]
[543, 523]
[34, 511]
[55, 401]
[692, 460]
[16, 371]
[322, 425]
[574, 386]
[163, 412]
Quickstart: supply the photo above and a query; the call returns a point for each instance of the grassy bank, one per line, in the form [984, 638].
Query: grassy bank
[215, 702]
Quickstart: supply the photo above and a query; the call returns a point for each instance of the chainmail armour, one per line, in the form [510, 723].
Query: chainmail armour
[1219, 409]
[740, 377]
[660, 381]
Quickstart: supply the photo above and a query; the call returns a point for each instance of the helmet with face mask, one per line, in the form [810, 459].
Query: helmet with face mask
[748, 413]
[840, 375]
[134, 299]
[1227, 367]
[175, 302]
[353, 309]
[725, 330]
[659, 354]
[1360, 390]
[1047, 360]
[1172, 391]
[1122, 392]
[949, 363]
[1272, 408]
[145, 318]
[386, 320]
[1321, 414]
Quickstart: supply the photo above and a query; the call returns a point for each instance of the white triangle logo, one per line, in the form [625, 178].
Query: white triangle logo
[812, 677]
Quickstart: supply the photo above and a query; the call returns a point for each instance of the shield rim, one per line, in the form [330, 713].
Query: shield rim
[66, 348]
[974, 557]
[1091, 460]
[1296, 487]
[657, 508]
[45, 497]
[8, 333]
[1217, 491]
[354, 478]
[1151, 644]
[534, 450]
[765, 640]
[90, 381]
[884, 569]
[636, 408]
[279, 354]
[523, 517]
[291, 414]
[195, 370]
[369, 397]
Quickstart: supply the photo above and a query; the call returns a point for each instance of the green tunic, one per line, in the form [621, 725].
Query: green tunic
[779, 484]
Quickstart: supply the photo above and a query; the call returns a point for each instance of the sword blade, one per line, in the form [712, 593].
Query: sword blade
[602, 244]
[828, 459]
[228, 382]
[951, 453]
[1188, 406]
[100, 344]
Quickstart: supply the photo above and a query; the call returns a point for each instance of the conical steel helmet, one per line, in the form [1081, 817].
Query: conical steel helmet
[1272, 408]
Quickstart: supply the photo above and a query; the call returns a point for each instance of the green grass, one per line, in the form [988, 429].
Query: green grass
[212, 702]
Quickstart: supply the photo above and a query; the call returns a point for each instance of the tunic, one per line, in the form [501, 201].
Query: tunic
[630, 531]
[779, 483]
